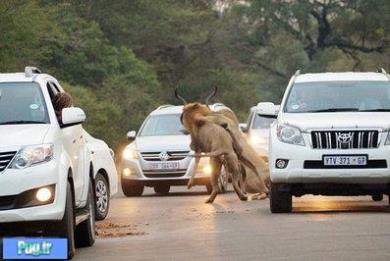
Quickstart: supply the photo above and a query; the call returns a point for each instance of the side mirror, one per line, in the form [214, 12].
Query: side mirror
[267, 109]
[243, 127]
[131, 135]
[72, 116]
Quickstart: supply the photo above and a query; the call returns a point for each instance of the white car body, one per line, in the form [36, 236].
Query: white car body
[72, 159]
[329, 155]
[257, 136]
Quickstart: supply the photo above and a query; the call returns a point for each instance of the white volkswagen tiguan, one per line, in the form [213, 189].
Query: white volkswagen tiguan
[331, 137]
[158, 155]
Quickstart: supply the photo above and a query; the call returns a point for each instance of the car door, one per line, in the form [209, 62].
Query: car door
[74, 144]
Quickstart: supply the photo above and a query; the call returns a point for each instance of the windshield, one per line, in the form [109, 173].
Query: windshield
[260, 122]
[339, 96]
[22, 103]
[158, 125]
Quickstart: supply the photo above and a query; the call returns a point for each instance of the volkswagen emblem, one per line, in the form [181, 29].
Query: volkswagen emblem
[344, 138]
[164, 156]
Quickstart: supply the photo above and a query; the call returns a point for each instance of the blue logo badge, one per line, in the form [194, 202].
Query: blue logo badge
[35, 248]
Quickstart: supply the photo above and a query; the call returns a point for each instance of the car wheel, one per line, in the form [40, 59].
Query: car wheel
[162, 189]
[85, 231]
[132, 189]
[102, 197]
[223, 181]
[280, 201]
[377, 197]
[66, 227]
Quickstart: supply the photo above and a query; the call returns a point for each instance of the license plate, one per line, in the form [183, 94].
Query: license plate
[345, 160]
[163, 165]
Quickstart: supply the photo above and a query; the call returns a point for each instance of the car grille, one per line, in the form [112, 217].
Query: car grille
[7, 202]
[173, 155]
[164, 174]
[5, 159]
[366, 139]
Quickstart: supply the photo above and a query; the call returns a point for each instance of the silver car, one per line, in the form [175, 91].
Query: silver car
[257, 130]
[159, 155]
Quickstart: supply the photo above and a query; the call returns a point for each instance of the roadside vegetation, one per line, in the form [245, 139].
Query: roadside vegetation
[120, 59]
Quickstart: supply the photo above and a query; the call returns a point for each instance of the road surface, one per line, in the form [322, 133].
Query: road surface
[181, 226]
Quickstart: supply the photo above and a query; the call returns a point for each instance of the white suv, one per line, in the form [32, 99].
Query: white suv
[47, 169]
[331, 137]
[159, 155]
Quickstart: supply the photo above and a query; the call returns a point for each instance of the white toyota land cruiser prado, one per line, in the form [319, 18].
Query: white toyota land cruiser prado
[331, 137]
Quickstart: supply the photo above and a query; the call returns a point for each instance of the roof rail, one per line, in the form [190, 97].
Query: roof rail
[29, 71]
[298, 72]
[164, 106]
[381, 70]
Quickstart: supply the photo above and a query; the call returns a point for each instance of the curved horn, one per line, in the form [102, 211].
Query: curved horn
[211, 95]
[179, 97]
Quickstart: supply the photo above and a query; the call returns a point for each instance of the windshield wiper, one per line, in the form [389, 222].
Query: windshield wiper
[375, 110]
[22, 122]
[335, 110]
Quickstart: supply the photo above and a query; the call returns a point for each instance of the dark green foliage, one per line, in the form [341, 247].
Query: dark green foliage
[121, 59]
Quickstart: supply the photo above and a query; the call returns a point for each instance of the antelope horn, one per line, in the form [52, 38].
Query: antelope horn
[211, 95]
[179, 97]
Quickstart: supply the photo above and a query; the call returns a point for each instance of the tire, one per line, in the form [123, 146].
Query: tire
[280, 201]
[162, 189]
[377, 197]
[209, 188]
[223, 181]
[66, 227]
[102, 197]
[132, 189]
[85, 231]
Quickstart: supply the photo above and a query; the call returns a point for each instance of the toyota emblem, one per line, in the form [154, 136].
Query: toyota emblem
[164, 156]
[344, 138]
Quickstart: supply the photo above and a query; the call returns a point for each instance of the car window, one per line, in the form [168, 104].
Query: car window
[22, 103]
[260, 122]
[338, 96]
[159, 125]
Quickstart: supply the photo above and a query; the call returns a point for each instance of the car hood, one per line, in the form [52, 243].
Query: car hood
[163, 143]
[23, 134]
[339, 120]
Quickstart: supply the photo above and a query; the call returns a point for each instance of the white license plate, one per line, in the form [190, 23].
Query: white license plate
[163, 165]
[345, 160]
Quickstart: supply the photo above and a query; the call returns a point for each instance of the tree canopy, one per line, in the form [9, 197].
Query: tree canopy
[121, 59]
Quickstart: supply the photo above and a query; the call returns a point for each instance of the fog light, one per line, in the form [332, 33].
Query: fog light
[126, 172]
[44, 194]
[281, 163]
[207, 169]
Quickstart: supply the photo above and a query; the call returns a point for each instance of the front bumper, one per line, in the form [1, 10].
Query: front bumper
[17, 181]
[174, 178]
[300, 168]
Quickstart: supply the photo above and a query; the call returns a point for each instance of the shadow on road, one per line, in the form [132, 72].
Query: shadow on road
[340, 206]
[181, 194]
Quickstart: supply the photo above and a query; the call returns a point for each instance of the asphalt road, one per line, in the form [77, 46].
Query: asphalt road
[181, 226]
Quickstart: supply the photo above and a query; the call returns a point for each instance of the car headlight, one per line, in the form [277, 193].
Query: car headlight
[289, 134]
[205, 166]
[130, 154]
[32, 155]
